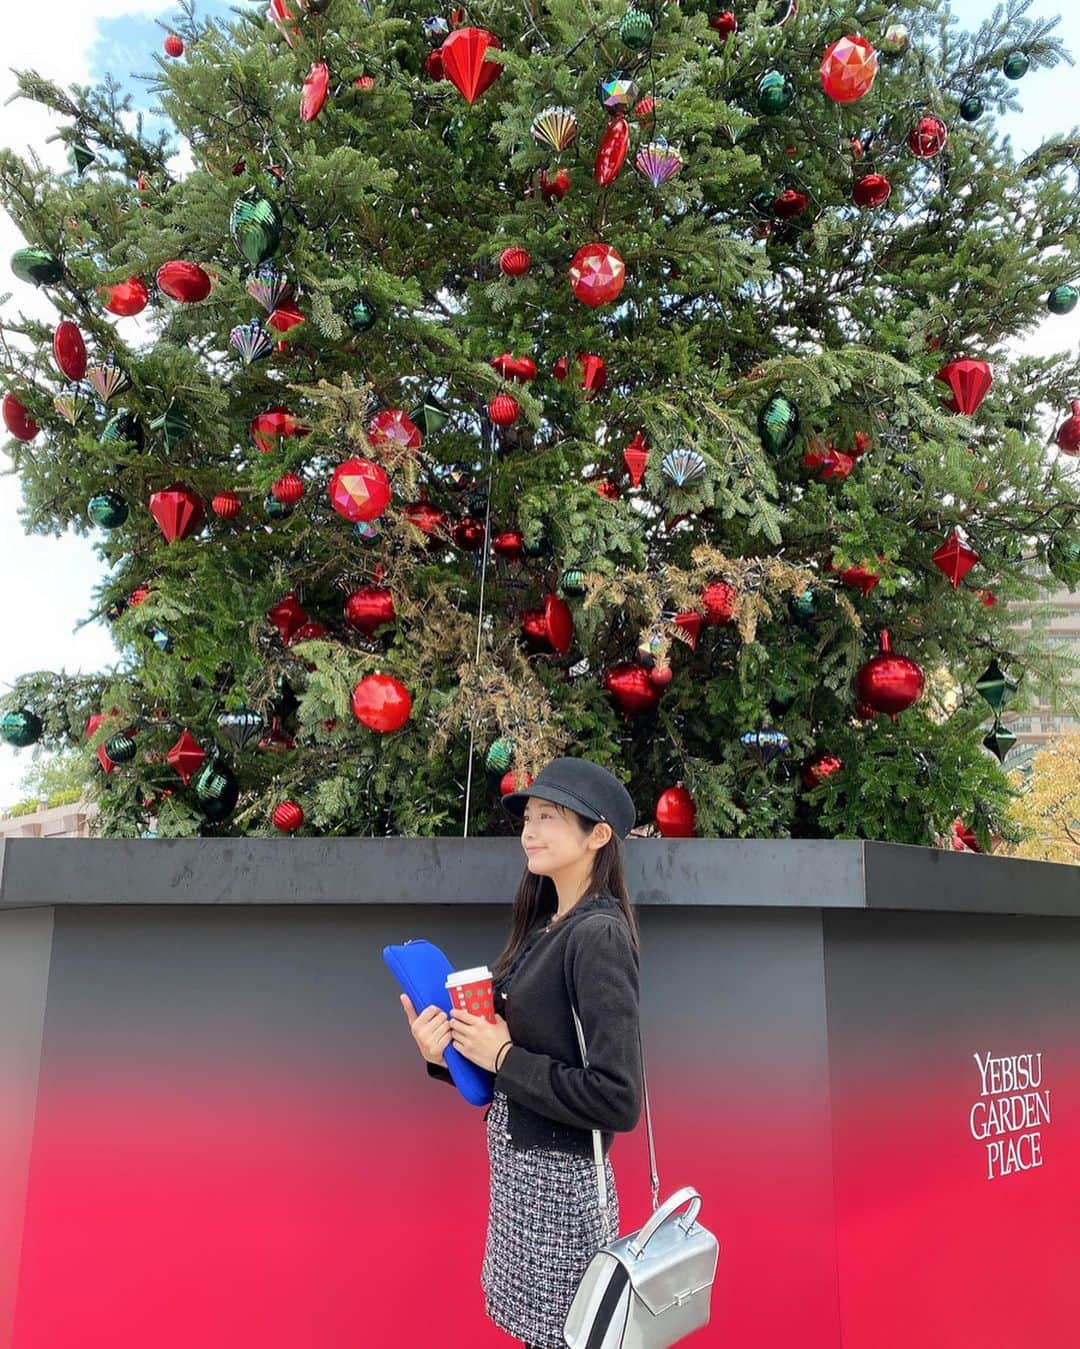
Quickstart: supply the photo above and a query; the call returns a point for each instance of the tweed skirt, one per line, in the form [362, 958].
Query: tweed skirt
[544, 1226]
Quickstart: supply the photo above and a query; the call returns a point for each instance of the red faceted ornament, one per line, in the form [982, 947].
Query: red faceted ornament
[969, 381]
[509, 783]
[1068, 433]
[928, 137]
[468, 533]
[593, 374]
[690, 623]
[631, 688]
[561, 367]
[126, 298]
[514, 261]
[359, 490]
[369, 608]
[872, 189]
[178, 510]
[521, 368]
[862, 444]
[724, 23]
[391, 426]
[427, 518]
[987, 598]
[636, 458]
[597, 273]
[288, 616]
[828, 460]
[790, 203]
[888, 683]
[69, 349]
[287, 816]
[718, 600]
[269, 429]
[848, 69]
[509, 544]
[381, 702]
[186, 756]
[606, 488]
[17, 420]
[550, 627]
[463, 61]
[504, 410]
[554, 189]
[174, 45]
[183, 281]
[308, 632]
[676, 814]
[819, 767]
[226, 505]
[316, 83]
[860, 578]
[288, 489]
[955, 558]
[611, 152]
[283, 319]
[433, 65]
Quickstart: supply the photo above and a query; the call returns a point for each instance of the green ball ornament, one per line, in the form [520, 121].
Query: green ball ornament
[216, 790]
[635, 29]
[20, 728]
[1062, 299]
[971, 108]
[255, 226]
[804, 605]
[120, 748]
[1015, 66]
[776, 92]
[778, 424]
[108, 510]
[572, 581]
[275, 509]
[36, 266]
[500, 755]
[361, 315]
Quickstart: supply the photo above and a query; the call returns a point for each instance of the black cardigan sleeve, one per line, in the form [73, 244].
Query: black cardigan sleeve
[436, 1070]
[603, 974]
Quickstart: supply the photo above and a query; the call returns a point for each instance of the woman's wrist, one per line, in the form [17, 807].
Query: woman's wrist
[501, 1053]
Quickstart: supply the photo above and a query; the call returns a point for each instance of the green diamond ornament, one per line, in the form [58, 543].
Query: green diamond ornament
[999, 741]
[776, 92]
[1062, 299]
[20, 728]
[499, 756]
[255, 226]
[172, 424]
[994, 686]
[81, 157]
[971, 108]
[778, 424]
[431, 416]
[108, 509]
[635, 29]
[123, 427]
[120, 748]
[36, 266]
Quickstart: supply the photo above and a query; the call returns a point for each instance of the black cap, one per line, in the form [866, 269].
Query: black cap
[585, 787]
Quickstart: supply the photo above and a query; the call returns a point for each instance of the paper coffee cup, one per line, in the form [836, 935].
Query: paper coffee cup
[472, 991]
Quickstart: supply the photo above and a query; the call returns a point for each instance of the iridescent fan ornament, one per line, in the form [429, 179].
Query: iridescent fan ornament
[73, 400]
[269, 287]
[107, 379]
[252, 341]
[658, 161]
[555, 126]
[683, 466]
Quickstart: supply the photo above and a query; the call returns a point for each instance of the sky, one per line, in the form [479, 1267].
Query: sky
[49, 580]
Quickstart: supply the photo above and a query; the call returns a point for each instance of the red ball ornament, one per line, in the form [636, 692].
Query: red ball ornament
[718, 600]
[1068, 433]
[597, 273]
[848, 69]
[676, 814]
[631, 688]
[227, 505]
[819, 767]
[928, 137]
[316, 83]
[661, 675]
[551, 627]
[391, 426]
[69, 349]
[17, 420]
[178, 511]
[427, 518]
[514, 261]
[872, 189]
[888, 683]
[359, 490]
[381, 703]
[288, 489]
[521, 368]
[509, 544]
[183, 281]
[269, 429]
[433, 65]
[287, 816]
[463, 61]
[504, 410]
[126, 298]
[611, 152]
[468, 533]
[970, 383]
[725, 23]
[174, 45]
[370, 608]
[508, 783]
[790, 203]
[554, 189]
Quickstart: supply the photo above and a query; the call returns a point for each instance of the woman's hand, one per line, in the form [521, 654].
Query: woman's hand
[430, 1029]
[478, 1038]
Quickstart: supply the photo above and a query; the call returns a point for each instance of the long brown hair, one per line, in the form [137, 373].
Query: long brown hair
[537, 899]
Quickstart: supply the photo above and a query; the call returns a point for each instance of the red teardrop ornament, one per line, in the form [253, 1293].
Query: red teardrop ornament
[369, 608]
[315, 86]
[611, 151]
[1068, 434]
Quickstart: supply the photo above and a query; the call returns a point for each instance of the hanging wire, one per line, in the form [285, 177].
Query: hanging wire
[489, 439]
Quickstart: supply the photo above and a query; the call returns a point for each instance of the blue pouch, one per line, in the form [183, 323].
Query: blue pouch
[421, 969]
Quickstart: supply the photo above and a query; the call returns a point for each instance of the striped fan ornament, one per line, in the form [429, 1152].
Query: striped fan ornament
[555, 126]
[107, 379]
[658, 161]
[252, 341]
[73, 400]
[269, 287]
[765, 744]
[682, 466]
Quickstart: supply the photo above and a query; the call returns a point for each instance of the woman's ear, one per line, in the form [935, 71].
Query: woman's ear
[601, 834]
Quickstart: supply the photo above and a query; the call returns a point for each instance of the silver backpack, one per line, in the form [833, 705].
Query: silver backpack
[650, 1288]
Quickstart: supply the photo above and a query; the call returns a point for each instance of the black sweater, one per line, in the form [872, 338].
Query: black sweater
[553, 1102]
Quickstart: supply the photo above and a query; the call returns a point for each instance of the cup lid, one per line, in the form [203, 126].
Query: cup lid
[473, 976]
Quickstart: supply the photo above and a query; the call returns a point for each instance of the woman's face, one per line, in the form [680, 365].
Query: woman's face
[553, 841]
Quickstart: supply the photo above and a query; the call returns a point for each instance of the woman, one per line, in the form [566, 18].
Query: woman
[574, 935]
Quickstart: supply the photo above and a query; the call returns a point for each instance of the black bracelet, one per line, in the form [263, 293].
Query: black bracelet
[502, 1050]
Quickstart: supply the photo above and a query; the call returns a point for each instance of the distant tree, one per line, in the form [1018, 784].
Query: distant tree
[1049, 806]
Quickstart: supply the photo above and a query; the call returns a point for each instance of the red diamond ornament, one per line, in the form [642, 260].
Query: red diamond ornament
[463, 61]
[636, 458]
[969, 381]
[955, 558]
[186, 756]
[178, 510]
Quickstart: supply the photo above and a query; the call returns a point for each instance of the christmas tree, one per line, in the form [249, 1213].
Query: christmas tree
[632, 382]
